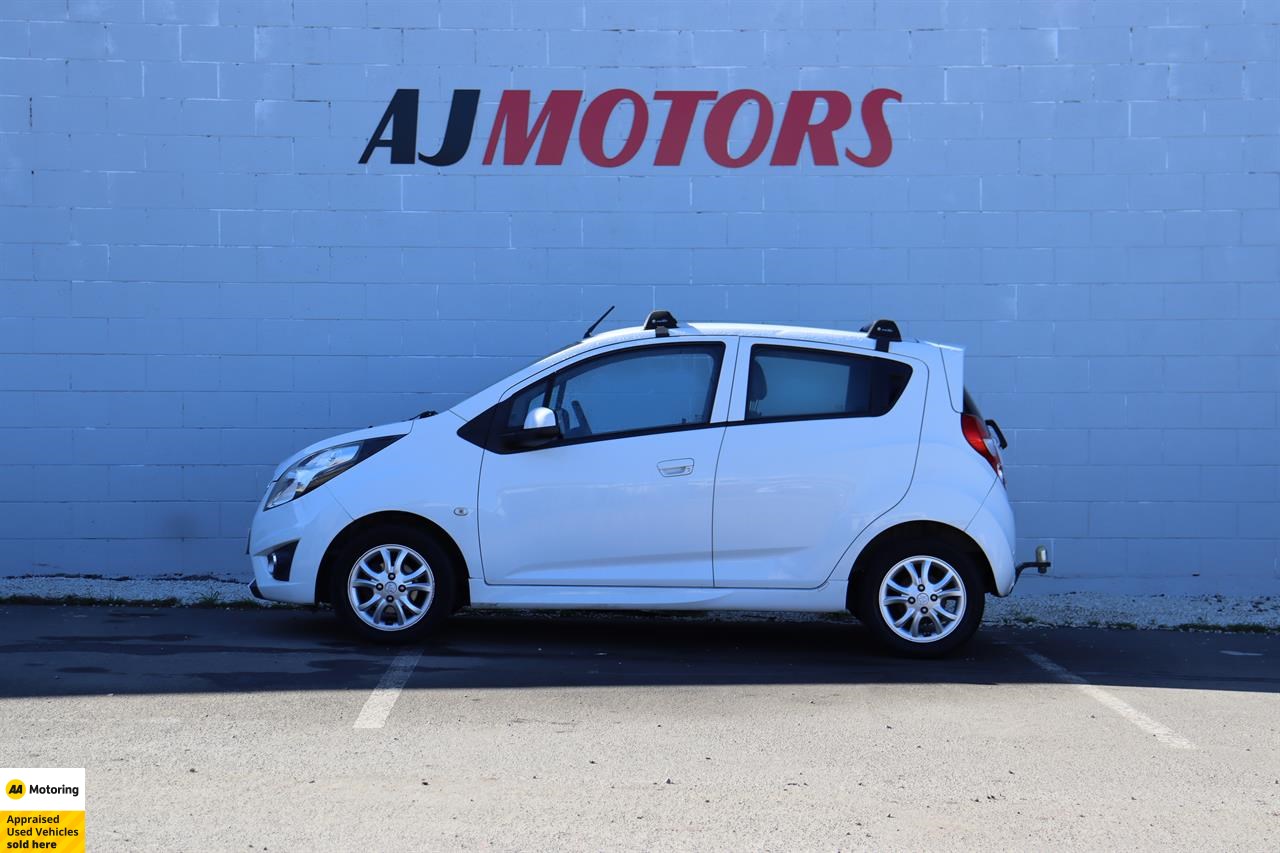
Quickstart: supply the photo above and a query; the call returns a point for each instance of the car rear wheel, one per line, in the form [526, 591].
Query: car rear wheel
[392, 584]
[921, 599]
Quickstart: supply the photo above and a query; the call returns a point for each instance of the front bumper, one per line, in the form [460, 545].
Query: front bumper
[312, 521]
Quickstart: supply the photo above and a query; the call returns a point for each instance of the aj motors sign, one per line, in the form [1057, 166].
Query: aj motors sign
[519, 133]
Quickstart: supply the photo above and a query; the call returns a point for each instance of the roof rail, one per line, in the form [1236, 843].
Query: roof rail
[659, 322]
[883, 332]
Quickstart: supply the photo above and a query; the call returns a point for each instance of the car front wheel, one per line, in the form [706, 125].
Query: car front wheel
[392, 584]
[921, 600]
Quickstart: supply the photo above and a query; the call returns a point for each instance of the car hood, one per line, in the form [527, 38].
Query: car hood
[397, 428]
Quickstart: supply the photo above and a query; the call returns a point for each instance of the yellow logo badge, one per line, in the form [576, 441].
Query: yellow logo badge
[15, 789]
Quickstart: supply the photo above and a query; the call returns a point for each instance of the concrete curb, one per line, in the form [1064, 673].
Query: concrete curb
[1068, 609]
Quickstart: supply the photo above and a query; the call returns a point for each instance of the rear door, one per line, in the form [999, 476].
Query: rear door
[821, 440]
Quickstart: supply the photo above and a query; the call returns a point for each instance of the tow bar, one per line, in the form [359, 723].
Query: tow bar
[1040, 563]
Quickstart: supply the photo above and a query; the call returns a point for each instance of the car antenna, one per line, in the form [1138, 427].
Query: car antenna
[592, 327]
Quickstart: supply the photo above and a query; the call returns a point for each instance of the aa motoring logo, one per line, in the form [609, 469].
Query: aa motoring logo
[550, 132]
[16, 789]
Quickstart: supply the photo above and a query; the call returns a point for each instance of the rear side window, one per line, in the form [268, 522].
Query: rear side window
[794, 382]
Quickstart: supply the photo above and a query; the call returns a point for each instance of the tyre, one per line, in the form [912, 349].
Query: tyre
[392, 584]
[920, 598]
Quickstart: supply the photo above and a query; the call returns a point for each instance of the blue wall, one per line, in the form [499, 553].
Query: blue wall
[197, 277]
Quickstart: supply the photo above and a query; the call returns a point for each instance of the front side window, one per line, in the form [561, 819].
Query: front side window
[635, 390]
[795, 382]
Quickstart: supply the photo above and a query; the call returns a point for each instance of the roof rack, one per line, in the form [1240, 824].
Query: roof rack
[883, 332]
[659, 322]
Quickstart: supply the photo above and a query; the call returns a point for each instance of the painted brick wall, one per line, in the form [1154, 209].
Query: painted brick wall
[196, 277]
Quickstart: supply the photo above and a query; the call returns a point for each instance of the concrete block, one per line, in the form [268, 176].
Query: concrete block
[1242, 263]
[874, 48]
[944, 192]
[945, 266]
[984, 229]
[291, 44]
[1091, 192]
[983, 84]
[382, 46]
[1017, 266]
[1038, 228]
[142, 41]
[217, 44]
[1055, 156]
[1017, 192]
[1021, 46]
[1165, 264]
[366, 264]
[178, 80]
[1015, 121]
[1205, 80]
[1260, 80]
[909, 15]
[21, 76]
[1121, 228]
[256, 12]
[66, 40]
[1094, 45]
[181, 11]
[255, 155]
[104, 77]
[1166, 118]
[1130, 82]
[1259, 227]
[1232, 116]
[1118, 156]
[1241, 191]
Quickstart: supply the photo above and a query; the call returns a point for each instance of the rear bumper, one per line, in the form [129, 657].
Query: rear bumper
[992, 528]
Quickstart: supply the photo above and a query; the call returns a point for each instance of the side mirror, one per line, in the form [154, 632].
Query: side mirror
[540, 427]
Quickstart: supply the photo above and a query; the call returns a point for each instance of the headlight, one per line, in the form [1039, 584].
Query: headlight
[320, 468]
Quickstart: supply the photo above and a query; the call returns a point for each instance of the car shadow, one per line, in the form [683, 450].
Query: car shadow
[53, 651]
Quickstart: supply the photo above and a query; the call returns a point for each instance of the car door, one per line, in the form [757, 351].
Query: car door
[624, 497]
[821, 441]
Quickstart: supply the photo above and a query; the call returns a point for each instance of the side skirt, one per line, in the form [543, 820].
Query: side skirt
[828, 598]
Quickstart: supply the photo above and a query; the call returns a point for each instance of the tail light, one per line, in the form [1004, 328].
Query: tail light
[979, 436]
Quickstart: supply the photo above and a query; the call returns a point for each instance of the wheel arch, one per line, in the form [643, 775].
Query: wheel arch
[915, 530]
[377, 519]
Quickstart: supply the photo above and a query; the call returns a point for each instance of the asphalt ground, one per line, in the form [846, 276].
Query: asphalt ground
[209, 730]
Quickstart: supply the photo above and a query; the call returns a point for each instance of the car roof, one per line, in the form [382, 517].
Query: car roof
[749, 330]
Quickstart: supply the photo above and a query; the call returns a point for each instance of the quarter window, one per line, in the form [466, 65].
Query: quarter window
[634, 390]
[794, 382]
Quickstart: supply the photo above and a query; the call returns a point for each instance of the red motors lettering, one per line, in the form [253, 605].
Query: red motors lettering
[519, 132]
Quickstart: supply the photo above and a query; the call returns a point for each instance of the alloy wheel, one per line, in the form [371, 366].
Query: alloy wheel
[922, 599]
[391, 587]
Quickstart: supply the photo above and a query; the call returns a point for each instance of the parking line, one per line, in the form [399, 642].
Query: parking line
[1158, 730]
[384, 696]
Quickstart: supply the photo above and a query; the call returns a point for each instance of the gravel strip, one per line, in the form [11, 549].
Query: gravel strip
[1067, 609]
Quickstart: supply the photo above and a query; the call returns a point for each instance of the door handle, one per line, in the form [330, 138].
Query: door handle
[675, 467]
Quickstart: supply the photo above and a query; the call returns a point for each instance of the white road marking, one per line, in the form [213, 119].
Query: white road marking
[1156, 729]
[384, 696]
[1241, 654]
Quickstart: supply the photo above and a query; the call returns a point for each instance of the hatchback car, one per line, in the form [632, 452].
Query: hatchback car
[665, 467]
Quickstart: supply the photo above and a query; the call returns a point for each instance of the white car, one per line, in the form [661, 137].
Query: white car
[666, 467]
